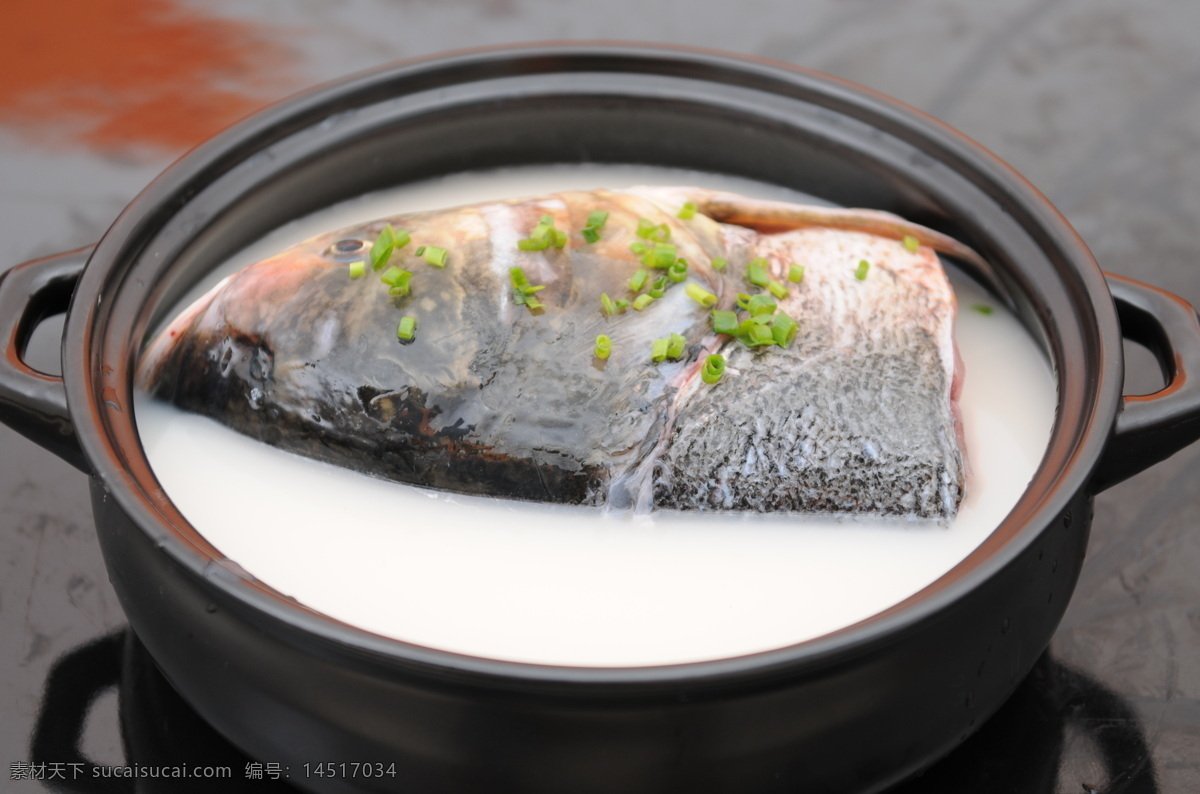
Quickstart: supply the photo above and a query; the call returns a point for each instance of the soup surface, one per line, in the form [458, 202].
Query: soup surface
[569, 585]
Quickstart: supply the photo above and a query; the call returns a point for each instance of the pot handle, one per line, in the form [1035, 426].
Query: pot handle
[1152, 427]
[31, 402]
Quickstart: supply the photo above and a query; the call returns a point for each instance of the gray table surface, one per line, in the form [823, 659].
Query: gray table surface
[1096, 102]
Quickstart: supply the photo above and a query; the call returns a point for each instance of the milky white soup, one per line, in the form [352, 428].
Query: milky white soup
[569, 585]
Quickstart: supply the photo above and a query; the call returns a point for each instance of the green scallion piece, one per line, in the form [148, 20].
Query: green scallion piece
[407, 330]
[678, 270]
[518, 279]
[597, 218]
[714, 368]
[591, 234]
[530, 244]
[395, 277]
[638, 280]
[661, 233]
[603, 347]
[743, 300]
[420, 250]
[687, 211]
[796, 273]
[357, 269]
[523, 291]
[783, 329]
[756, 272]
[638, 247]
[382, 249]
[436, 256]
[659, 287]
[861, 272]
[719, 263]
[700, 295]
[983, 308]
[645, 228]
[755, 334]
[676, 344]
[911, 243]
[560, 238]
[658, 349]
[664, 255]
[777, 289]
[642, 301]
[724, 322]
[760, 304]
[611, 306]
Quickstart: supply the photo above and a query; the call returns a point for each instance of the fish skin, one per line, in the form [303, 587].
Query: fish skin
[856, 417]
[864, 422]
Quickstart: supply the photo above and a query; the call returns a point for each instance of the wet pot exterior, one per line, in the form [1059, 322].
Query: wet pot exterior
[855, 710]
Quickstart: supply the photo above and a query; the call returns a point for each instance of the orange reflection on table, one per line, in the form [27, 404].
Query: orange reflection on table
[128, 73]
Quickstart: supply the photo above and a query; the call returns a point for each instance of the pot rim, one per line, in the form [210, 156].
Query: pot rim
[125, 477]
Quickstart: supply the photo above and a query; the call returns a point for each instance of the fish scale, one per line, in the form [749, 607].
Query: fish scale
[857, 416]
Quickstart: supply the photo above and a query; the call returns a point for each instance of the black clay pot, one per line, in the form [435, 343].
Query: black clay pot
[855, 710]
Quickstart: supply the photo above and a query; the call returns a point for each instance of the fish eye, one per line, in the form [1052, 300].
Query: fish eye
[346, 249]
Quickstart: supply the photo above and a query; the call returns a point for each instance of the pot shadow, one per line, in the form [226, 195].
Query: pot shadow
[1020, 749]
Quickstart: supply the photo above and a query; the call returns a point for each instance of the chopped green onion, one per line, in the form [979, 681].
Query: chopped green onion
[420, 250]
[755, 334]
[783, 329]
[611, 306]
[677, 272]
[743, 300]
[662, 255]
[676, 343]
[523, 291]
[796, 273]
[399, 292]
[638, 280]
[687, 211]
[659, 287]
[760, 304]
[519, 280]
[407, 330]
[777, 289]
[435, 256]
[719, 263]
[603, 347]
[863, 267]
[756, 272]
[530, 244]
[658, 349]
[597, 218]
[983, 308]
[642, 301]
[700, 295]
[638, 247]
[714, 368]
[911, 243]
[357, 269]
[387, 241]
[724, 322]
[395, 277]
[661, 233]
[560, 238]
[645, 228]
[590, 234]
